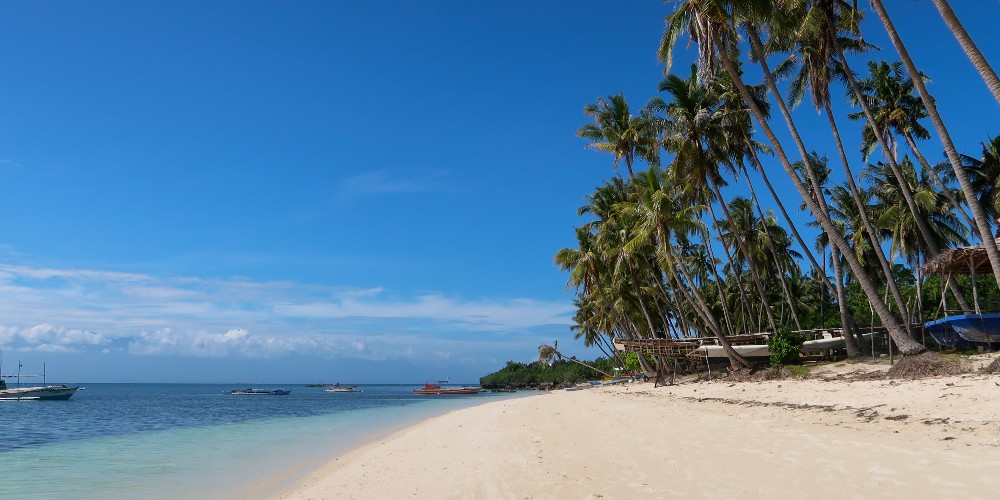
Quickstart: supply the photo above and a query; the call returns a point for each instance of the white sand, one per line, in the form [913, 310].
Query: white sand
[934, 438]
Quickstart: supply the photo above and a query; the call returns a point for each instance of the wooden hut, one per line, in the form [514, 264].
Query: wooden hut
[963, 330]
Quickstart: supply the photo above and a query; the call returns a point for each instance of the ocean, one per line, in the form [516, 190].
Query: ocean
[168, 441]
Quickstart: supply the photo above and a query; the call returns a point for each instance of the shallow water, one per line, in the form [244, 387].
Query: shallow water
[177, 440]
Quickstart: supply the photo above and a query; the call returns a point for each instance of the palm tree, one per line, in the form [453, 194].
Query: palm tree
[745, 14]
[660, 216]
[815, 175]
[595, 319]
[546, 353]
[741, 128]
[621, 134]
[697, 133]
[982, 223]
[825, 27]
[894, 216]
[969, 47]
[984, 175]
[887, 98]
[768, 248]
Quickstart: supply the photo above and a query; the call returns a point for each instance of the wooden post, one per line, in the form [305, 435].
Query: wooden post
[975, 293]
[888, 341]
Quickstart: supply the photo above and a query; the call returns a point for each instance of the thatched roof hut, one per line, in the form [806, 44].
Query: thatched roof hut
[971, 260]
[963, 260]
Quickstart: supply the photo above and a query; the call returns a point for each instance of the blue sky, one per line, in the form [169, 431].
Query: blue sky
[316, 191]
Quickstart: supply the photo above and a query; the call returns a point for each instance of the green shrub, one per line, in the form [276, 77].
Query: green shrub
[632, 362]
[784, 346]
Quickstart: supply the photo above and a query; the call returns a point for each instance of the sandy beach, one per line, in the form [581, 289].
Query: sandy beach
[822, 437]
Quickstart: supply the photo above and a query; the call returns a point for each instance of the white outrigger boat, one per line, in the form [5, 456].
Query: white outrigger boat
[826, 342]
[336, 387]
[42, 392]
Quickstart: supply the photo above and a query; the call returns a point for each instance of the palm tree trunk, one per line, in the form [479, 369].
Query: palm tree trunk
[890, 155]
[791, 225]
[746, 255]
[903, 185]
[737, 277]
[862, 211]
[949, 146]
[671, 305]
[774, 256]
[726, 313]
[846, 321]
[736, 361]
[681, 316]
[638, 296]
[969, 47]
[906, 344]
[941, 185]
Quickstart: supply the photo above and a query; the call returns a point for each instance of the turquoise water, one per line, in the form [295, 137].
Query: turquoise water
[191, 440]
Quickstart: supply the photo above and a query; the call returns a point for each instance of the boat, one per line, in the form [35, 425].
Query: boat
[43, 392]
[747, 351]
[249, 391]
[437, 390]
[60, 392]
[827, 342]
[341, 388]
[966, 330]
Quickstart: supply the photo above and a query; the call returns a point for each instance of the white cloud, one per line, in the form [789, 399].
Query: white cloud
[65, 310]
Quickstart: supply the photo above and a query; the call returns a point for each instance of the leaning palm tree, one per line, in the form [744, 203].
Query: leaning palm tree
[768, 250]
[888, 97]
[824, 27]
[951, 152]
[969, 47]
[747, 150]
[816, 170]
[894, 216]
[747, 14]
[548, 353]
[697, 132]
[661, 217]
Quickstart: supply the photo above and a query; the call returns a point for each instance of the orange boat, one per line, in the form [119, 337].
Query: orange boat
[433, 389]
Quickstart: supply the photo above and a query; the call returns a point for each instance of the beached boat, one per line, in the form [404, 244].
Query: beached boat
[747, 351]
[249, 391]
[966, 330]
[827, 342]
[341, 388]
[40, 393]
[437, 390]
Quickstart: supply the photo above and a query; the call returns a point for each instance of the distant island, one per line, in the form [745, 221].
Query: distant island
[543, 376]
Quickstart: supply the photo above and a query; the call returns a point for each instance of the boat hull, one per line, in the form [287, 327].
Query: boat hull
[436, 390]
[255, 392]
[747, 351]
[966, 330]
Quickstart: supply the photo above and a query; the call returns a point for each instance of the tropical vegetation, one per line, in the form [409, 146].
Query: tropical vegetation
[664, 252]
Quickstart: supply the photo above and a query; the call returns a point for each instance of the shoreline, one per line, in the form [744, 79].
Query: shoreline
[807, 438]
